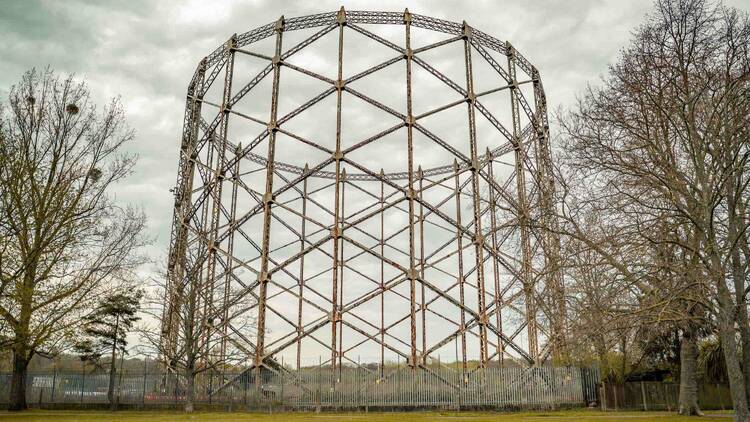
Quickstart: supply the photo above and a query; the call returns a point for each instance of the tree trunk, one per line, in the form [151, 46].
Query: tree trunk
[18, 381]
[190, 392]
[727, 317]
[623, 350]
[601, 353]
[734, 371]
[742, 321]
[688, 405]
[111, 388]
[113, 369]
[739, 241]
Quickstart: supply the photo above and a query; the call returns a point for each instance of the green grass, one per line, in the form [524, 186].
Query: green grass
[130, 416]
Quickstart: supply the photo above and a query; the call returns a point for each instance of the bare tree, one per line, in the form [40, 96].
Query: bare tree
[63, 237]
[626, 272]
[664, 139]
[191, 332]
[599, 301]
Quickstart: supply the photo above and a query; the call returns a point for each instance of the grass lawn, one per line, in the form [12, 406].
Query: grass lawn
[130, 416]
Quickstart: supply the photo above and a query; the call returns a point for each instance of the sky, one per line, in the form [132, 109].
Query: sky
[145, 52]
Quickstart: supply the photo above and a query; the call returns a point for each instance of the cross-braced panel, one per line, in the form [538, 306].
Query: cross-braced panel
[367, 186]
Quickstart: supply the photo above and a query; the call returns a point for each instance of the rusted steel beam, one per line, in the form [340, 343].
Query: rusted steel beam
[218, 179]
[476, 198]
[301, 282]
[382, 274]
[263, 277]
[176, 267]
[460, 275]
[523, 225]
[412, 272]
[304, 208]
[229, 267]
[497, 296]
[337, 226]
[423, 304]
[341, 267]
[549, 220]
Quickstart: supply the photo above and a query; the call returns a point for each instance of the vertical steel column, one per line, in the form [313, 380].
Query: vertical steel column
[382, 272]
[216, 200]
[478, 237]
[335, 232]
[267, 202]
[495, 266]
[549, 218]
[520, 158]
[341, 269]
[460, 251]
[197, 292]
[423, 307]
[301, 267]
[410, 192]
[183, 201]
[230, 255]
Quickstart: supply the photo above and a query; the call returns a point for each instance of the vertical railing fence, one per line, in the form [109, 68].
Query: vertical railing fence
[655, 395]
[315, 388]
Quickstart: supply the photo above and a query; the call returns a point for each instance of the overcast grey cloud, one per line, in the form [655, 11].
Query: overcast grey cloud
[146, 52]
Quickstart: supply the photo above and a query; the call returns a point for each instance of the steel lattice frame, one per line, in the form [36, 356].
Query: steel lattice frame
[492, 266]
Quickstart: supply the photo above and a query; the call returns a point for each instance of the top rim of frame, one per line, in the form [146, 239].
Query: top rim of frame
[357, 17]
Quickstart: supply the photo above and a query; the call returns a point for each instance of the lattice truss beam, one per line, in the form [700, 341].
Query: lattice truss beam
[355, 201]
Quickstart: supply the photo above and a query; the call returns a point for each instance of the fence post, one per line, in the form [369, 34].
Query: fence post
[643, 397]
[281, 381]
[666, 398]
[83, 378]
[367, 394]
[119, 383]
[143, 393]
[460, 385]
[175, 388]
[54, 381]
[359, 386]
[320, 390]
[398, 378]
[483, 391]
[245, 382]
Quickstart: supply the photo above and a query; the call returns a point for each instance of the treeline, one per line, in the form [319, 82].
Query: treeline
[73, 364]
[654, 186]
